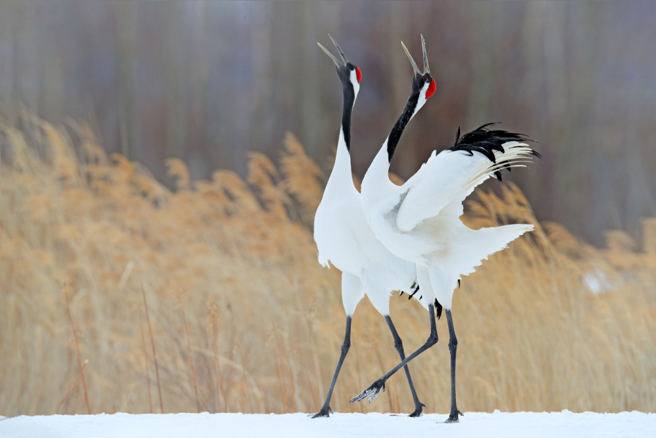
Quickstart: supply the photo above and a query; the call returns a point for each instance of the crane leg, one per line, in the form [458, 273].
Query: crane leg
[325, 409]
[379, 385]
[453, 347]
[398, 344]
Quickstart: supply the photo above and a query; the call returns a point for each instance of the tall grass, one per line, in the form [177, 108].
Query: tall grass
[241, 316]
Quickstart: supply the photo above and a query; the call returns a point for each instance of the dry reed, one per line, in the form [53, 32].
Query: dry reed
[191, 357]
[263, 321]
[79, 358]
[70, 388]
[152, 342]
[143, 344]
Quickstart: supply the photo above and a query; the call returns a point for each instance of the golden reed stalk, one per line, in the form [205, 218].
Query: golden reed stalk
[533, 334]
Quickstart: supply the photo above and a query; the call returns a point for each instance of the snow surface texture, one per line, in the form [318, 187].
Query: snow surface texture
[519, 424]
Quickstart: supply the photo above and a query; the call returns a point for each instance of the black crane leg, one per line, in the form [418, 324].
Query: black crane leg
[453, 347]
[398, 344]
[379, 385]
[325, 409]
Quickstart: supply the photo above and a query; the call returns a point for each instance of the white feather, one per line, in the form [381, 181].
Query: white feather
[445, 175]
[345, 239]
[420, 220]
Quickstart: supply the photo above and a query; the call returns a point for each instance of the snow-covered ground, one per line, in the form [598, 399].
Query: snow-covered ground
[519, 424]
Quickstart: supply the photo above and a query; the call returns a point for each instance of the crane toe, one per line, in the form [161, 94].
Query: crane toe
[419, 411]
[454, 417]
[324, 412]
[371, 392]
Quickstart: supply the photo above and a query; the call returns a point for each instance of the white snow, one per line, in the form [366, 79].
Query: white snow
[499, 424]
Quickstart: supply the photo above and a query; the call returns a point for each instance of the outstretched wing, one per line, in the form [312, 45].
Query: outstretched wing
[450, 176]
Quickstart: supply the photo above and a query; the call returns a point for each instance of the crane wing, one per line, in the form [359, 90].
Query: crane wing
[435, 185]
[447, 178]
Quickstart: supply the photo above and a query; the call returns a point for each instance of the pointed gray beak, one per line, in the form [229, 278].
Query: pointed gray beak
[339, 49]
[423, 49]
[412, 61]
[329, 54]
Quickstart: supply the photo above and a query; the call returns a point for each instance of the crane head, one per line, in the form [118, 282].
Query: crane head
[422, 82]
[347, 72]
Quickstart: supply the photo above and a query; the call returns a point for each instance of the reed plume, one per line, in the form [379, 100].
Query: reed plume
[551, 323]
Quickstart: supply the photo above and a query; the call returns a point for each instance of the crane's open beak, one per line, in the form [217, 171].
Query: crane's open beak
[423, 49]
[346, 61]
[337, 63]
[329, 54]
[412, 61]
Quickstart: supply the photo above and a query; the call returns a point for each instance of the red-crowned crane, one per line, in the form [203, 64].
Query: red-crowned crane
[345, 239]
[420, 220]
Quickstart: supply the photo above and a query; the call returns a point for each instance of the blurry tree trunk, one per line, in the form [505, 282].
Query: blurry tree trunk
[482, 39]
[309, 59]
[400, 29]
[176, 73]
[199, 40]
[225, 123]
[126, 19]
[262, 59]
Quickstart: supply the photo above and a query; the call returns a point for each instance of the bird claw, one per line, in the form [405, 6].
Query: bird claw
[453, 418]
[324, 412]
[372, 392]
[418, 411]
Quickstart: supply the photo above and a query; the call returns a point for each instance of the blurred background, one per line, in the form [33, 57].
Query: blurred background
[208, 81]
[161, 163]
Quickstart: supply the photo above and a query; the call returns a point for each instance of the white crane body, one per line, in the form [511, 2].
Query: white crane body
[419, 221]
[345, 239]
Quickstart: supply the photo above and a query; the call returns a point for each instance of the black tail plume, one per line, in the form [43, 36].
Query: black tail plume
[438, 309]
[486, 141]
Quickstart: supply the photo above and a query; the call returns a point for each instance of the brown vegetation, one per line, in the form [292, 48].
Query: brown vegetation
[262, 321]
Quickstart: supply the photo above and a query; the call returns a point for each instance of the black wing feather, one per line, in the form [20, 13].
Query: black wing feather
[486, 141]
